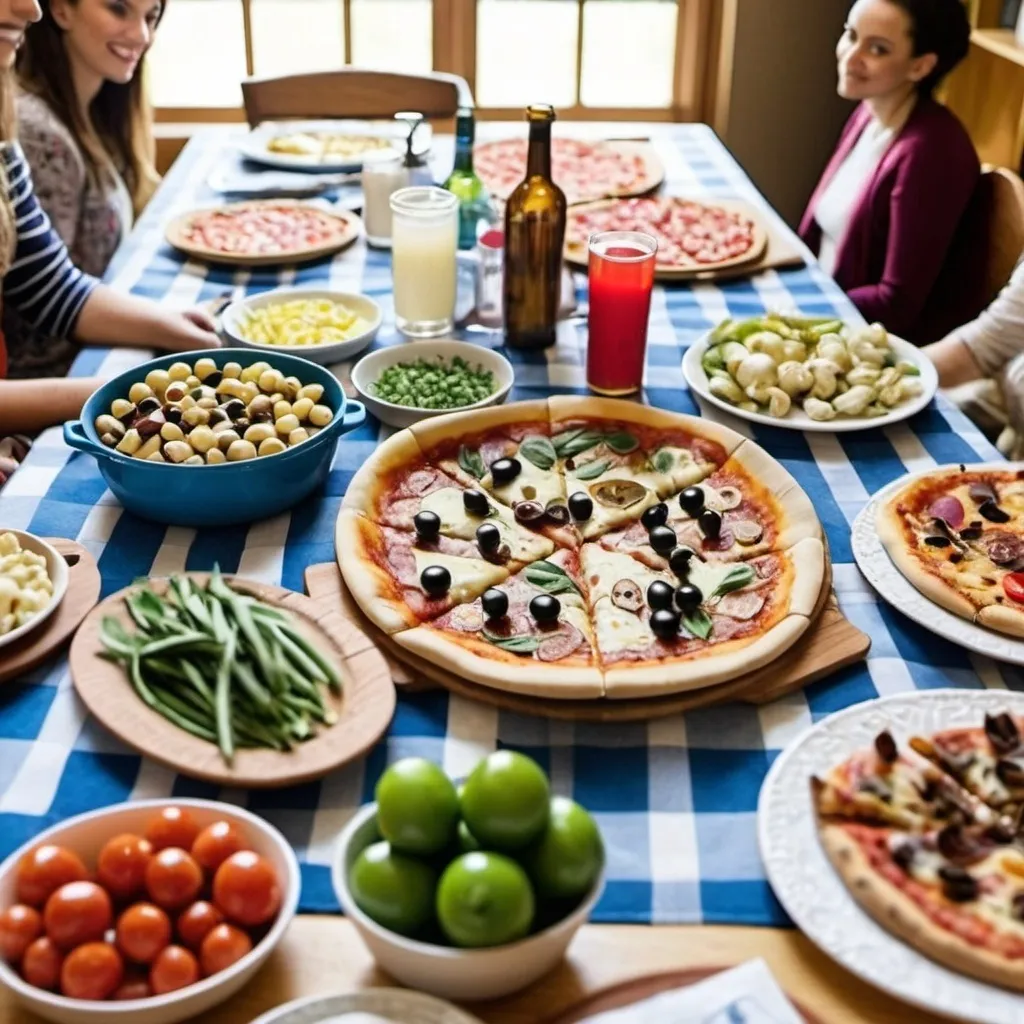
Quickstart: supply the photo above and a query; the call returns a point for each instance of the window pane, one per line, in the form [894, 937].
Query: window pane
[526, 52]
[191, 68]
[291, 36]
[393, 35]
[628, 53]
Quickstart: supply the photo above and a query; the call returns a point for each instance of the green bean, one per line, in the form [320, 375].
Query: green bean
[326, 668]
[195, 677]
[256, 692]
[115, 639]
[150, 699]
[223, 697]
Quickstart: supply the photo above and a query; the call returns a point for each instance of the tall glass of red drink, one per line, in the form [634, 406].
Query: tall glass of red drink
[621, 279]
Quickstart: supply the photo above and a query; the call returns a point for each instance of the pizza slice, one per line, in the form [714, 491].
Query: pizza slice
[723, 621]
[399, 580]
[748, 507]
[958, 536]
[533, 629]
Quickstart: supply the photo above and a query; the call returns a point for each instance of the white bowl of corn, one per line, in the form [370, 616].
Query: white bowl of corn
[320, 325]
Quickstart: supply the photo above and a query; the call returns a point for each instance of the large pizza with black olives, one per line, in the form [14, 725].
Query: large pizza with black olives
[958, 535]
[581, 547]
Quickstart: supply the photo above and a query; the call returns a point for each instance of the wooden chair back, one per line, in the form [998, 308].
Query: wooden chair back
[988, 245]
[352, 93]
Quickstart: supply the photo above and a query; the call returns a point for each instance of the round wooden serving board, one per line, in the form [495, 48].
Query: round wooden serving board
[55, 631]
[638, 989]
[666, 272]
[176, 235]
[364, 708]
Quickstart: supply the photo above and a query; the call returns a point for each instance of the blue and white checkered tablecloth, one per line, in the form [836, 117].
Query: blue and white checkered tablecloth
[675, 798]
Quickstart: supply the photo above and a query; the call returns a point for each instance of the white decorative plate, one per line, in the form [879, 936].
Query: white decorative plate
[797, 419]
[57, 570]
[878, 568]
[397, 1005]
[810, 890]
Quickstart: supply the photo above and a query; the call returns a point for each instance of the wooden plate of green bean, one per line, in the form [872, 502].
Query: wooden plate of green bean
[232, 681]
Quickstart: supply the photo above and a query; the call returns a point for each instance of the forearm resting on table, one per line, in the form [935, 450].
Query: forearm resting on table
[28, 406]
[954, 361]
[118, 319]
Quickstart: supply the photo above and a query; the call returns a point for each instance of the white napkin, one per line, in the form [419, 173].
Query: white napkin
[747, 994]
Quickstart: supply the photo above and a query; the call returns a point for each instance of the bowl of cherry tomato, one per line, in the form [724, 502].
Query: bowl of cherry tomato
[143, 913]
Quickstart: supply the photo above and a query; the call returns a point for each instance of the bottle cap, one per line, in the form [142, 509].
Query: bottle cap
[540, 112]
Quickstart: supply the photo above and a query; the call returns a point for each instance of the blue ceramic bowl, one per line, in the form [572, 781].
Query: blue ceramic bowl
[231, 492]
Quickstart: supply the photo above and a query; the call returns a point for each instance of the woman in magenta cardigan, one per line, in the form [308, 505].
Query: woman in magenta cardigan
[888, 205]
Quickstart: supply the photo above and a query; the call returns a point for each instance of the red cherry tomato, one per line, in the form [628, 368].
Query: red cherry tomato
[142, 931]
[78, 912]
[246, 889]
[216, 843]
[40, 966]
[224, 946]
[173, 878]
[92, 971]
[174, 968]
[20, 926]
[134, 986]
[197, 922]
[1014, 586]
[42, 871]
[173, 826]
[122, 866]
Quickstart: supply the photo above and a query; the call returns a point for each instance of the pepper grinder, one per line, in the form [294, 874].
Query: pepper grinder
[415, 163]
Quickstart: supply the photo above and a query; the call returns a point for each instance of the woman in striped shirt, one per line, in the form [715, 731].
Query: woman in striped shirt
[40, 281]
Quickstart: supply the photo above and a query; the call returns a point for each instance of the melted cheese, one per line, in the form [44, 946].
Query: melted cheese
[619, 630]
[470, 576]
[981, 778]
[532, 484]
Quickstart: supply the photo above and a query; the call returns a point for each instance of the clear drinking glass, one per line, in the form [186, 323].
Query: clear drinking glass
[424, 243]
[620, 284]
[381, 178]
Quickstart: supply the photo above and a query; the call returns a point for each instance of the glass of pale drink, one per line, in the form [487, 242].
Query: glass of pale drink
[424, 243]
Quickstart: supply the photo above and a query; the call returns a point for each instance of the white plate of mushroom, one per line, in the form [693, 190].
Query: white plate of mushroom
[810, 373]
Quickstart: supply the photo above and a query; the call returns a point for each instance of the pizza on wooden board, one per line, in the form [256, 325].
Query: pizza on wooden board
[958, 535]
[549, 547]
[928, 840]
[583, 170]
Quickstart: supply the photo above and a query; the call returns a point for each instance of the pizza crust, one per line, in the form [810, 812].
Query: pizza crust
[1002, 618]
[501, 670]
[429, 433]
[808, 559]
[367, 486]
[900, 915]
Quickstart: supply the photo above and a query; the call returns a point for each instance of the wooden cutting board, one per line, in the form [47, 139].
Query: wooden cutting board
[830, 643]
[364, 708]
[83, 592]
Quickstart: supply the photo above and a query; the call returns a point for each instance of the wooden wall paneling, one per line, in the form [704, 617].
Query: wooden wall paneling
[694, 46]
[719, 70]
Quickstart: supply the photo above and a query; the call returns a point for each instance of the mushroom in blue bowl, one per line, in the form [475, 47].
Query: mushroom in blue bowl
[215, 437]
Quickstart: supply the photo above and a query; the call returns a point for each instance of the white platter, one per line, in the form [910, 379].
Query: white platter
[254, 145]
[56, 568]
[808, 887]
[393, 1004]
[797, 419]
[878, 568]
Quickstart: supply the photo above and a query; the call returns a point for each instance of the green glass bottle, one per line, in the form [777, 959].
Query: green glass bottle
[463, 181]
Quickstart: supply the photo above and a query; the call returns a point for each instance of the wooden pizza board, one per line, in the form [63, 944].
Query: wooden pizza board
[638, 989]
[364, 708]
[176, 236]
[83, 592]
[830, 643]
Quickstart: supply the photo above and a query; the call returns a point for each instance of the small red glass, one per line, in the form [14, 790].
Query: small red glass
[621, 279]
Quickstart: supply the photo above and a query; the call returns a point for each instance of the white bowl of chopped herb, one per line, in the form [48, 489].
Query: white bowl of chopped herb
[403, 384]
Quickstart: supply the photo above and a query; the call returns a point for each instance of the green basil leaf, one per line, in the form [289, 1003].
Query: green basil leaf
[591, 470]
[513, 644]
[622, 443]
[576, 442]
[699, 624]
[739, 576]
[664, 460]
[550, 578]
[559, 440]
[540, 451]
[471, 462]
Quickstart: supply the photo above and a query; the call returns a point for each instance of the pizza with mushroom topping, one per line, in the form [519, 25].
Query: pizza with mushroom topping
[580, 548]
[928, 839]
[957, 534]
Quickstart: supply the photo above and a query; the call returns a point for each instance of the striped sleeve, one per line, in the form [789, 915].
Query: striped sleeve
[43, 285]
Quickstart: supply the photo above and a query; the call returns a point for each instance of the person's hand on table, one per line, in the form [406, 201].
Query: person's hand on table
[28, 406]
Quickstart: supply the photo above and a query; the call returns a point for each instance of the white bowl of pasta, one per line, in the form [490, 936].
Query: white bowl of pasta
[33, 581]
[321, 325]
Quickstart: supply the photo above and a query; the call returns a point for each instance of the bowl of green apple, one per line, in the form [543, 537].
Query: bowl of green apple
[474, 890]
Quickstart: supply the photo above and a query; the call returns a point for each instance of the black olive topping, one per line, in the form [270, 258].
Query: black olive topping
[885, 747]
[938, 542]
[958, 885]
[504, 471]
[427, 524]
[528, 511]
[488, 537]
[475, 502]
[679, 562]
[436, 580]
[903, 855]
[993, 513]
[663, 540]
[970, 533]
[1002, 732]
[710, 523]
[545, 608]
[495, 603]
[691, 501]
[660, 595]
[665, 624]
[581, 506]
[656, 515]
[557, 513]
[688, 598]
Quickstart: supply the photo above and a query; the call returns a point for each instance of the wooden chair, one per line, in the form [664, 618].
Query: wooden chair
[352, 93]
[993, 226]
